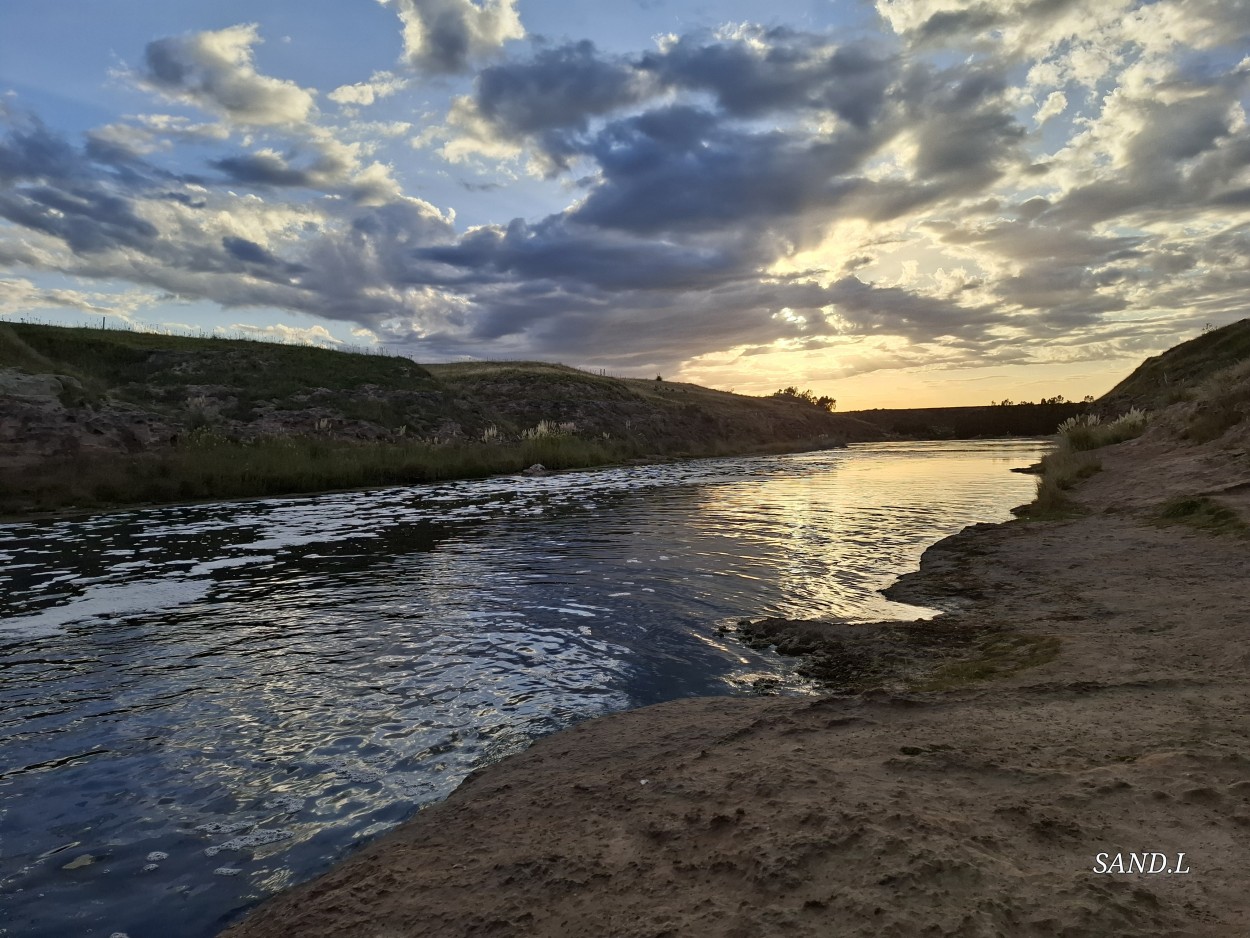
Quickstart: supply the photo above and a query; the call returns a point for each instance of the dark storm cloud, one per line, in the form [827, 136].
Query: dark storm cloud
[52, 187]
[262, 169]
[679, 169]
[560, 249]
[30, 151]
[642, 328]
[550, 99]
[85, 219]
[247, 251]
[964, 129]
[560, 88]
[792, 71]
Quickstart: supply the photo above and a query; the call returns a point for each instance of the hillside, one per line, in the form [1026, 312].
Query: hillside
[962, 423]
[1175, 375]
[94, 417]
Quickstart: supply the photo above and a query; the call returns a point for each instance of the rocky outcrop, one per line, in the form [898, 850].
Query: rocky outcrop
[47, 418]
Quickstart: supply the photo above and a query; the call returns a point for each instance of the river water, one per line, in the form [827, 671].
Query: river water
[201, 705]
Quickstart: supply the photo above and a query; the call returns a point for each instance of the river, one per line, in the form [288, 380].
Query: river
[200, 705]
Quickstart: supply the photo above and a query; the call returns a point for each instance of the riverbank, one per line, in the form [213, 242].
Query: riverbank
[216, 470]
[969, 795]
[93, 419]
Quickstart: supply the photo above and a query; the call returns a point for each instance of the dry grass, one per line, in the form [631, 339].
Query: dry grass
[1223, 403]
[997, 656]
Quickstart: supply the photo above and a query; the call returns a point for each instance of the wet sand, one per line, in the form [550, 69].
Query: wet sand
[976, 809]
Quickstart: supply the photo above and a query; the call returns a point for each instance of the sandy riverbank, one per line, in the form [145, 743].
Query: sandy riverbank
[976, 810]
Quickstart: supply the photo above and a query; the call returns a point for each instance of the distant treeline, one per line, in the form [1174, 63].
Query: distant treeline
[961, 423]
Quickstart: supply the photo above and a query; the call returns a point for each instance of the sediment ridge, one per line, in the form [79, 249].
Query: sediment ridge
[1082, 698]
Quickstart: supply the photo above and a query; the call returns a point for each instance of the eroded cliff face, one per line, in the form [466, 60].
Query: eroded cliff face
[47, 417]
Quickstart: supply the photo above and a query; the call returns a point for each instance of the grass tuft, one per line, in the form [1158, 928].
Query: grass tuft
[1061, 471]
[997, 657]
[1087, 431]
[1202, 513]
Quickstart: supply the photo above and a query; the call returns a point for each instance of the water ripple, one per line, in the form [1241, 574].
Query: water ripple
[244, 690]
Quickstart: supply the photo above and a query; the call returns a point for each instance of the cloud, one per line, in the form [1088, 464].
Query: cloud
[552, 95]
[20, 295]
[215, 71]
[1055, 104]
[380, 85]
[730, 194]
[329, 166]
[443, 37]
[312, 335]
[679, 169]
[754, 71]
[549, 101]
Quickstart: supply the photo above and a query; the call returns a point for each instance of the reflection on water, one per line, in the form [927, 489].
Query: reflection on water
[200, 705]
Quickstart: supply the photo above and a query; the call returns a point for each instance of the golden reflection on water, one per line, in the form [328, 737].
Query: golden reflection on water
[830, 539]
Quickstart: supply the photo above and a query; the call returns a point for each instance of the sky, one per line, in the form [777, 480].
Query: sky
[899, 203]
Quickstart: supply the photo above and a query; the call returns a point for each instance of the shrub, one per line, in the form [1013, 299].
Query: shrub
[1202, 512]
[824, 402]
[547, 428]
[1087, 431]
[1061, 470]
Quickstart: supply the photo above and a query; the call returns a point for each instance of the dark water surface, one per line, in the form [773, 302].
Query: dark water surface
[202, 705]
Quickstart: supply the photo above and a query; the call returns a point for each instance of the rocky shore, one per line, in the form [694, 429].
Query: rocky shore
[1084, 697]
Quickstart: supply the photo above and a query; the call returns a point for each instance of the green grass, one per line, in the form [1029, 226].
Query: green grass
[997, 656]
[1204, 514]
[208, 466]
[153, 368]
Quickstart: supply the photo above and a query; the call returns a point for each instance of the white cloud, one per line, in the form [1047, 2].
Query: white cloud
[19, 295]
[1055, 104]
[442, 37]
[215, 71]
[363, 93]
[312, 335]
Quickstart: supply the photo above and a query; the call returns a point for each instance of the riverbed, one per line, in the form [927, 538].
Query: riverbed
[201, 705]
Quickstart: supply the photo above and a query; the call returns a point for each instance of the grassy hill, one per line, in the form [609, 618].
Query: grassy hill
[1177, 374]
[94, 417]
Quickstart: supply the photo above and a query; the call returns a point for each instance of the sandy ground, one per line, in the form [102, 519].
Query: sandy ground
[974, 811]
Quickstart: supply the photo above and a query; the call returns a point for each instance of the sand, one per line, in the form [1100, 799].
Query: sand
[976, 810]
